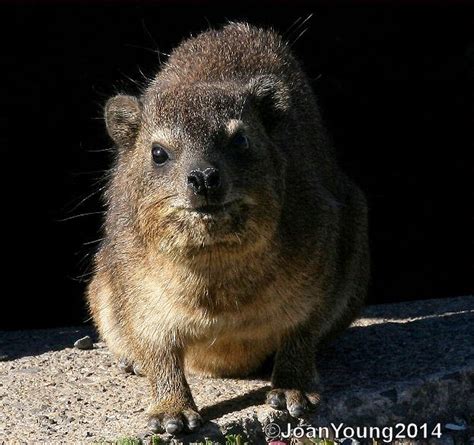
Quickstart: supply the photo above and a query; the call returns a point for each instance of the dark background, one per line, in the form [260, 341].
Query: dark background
[396, 90]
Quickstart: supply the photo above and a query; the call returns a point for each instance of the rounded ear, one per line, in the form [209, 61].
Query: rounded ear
[272, 98]
[122, 118]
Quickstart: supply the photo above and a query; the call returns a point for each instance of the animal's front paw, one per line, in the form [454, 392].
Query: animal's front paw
[297, 402]
[174, 422]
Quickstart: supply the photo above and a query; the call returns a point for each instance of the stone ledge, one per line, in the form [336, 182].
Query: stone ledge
[407, 362]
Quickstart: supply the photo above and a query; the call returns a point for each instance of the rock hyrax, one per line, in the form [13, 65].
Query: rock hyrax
[231, 233]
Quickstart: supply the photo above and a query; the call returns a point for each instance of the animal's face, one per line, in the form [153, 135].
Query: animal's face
[202, 164]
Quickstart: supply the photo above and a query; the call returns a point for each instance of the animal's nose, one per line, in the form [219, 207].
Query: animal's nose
[203, 181]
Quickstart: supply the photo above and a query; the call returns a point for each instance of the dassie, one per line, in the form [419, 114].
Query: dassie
[231, 233]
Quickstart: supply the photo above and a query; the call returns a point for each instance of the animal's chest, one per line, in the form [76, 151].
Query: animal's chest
[235, 341]
[264, 313]
[236, 318]
[236, 311]
[232, 343]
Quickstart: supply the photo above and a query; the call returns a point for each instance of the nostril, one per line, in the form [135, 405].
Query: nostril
[212, 178]
[193, 181]
[196, 181]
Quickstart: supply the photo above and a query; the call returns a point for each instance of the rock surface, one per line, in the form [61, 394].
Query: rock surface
[84, 343]
[408, 362]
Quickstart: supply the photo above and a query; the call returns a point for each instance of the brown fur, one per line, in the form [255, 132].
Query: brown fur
[282, 268]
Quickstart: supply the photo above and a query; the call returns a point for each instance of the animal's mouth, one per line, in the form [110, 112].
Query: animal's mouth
[213, 209]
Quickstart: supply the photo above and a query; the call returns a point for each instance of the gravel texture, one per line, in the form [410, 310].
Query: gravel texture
[406, 362]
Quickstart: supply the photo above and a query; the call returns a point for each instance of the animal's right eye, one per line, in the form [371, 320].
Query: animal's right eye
[159, 154]
[240, 140]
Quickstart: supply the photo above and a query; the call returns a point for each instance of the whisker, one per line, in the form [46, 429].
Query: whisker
[95, 192]
[130, 45]
[102, 150]
[80, 216]
[130, 79]
[157, 51]
[290, 29]
[145, 77]
[93, 241]
[299, 36]
[90, 172]
[95, 269]
[310, 16]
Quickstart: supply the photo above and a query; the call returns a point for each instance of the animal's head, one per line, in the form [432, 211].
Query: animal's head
[199, 162]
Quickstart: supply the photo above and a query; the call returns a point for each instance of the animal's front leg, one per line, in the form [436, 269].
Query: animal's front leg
[173, 408]
[294, 377]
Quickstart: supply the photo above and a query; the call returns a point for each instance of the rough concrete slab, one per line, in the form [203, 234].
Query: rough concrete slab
[407, 362]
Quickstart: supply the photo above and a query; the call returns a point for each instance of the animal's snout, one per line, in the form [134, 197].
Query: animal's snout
[202, 182]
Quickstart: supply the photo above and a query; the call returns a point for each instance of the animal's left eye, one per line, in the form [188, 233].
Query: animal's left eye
[159, 154]
[240, 140]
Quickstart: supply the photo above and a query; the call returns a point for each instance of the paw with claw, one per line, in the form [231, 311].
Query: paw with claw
[173, 421]
[297, 402]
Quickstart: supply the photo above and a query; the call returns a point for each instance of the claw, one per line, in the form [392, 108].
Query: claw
[175, 423]
[154, 425]
[174, 426]
[297, 402]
